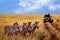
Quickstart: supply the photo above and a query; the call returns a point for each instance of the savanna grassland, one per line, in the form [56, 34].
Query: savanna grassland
[21, 18]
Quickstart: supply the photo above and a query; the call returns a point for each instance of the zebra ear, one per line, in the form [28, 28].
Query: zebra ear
[38, 22]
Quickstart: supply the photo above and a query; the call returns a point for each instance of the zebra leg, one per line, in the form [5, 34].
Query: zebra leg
[10, 34]
[4, 33]
[23, 33]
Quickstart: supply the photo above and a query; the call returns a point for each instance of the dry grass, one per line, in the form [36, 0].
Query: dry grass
[10, 19]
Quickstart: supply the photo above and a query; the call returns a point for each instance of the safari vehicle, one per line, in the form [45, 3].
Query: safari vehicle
[47, 18]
